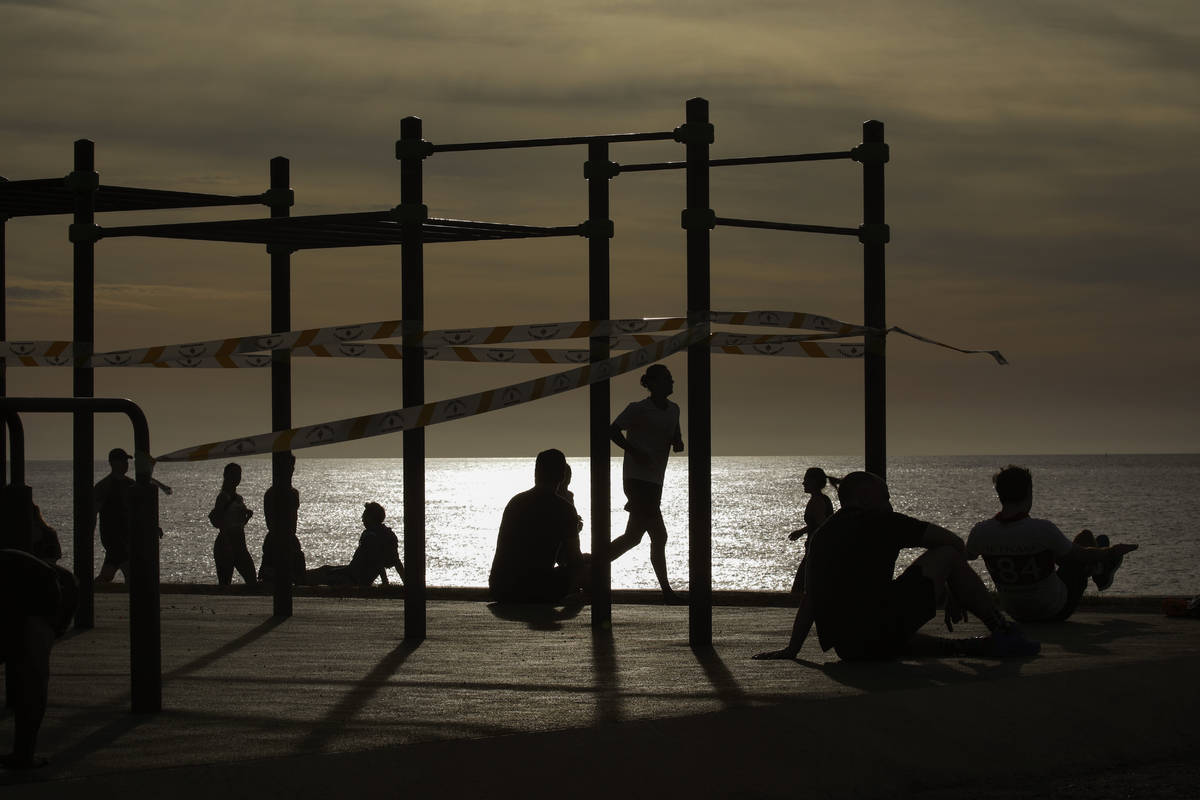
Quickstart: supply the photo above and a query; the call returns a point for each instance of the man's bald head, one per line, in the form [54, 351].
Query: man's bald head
[864, 491]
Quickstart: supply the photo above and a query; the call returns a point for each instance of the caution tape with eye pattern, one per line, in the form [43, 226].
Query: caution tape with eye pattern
[349, 341]
[60, 353]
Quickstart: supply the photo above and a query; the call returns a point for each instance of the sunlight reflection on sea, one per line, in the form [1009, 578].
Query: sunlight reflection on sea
[1148, 499]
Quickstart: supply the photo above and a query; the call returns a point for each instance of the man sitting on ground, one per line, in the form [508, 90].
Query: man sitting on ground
[1039, 573]
[860, 611]
[537, 552]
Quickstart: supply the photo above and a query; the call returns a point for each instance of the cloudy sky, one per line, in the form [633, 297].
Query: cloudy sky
[1041, 195]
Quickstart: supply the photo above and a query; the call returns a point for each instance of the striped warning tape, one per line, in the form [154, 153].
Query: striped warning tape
[350, 341]
[402, 419]
[515, 355]
[995, 354]
[61, 353]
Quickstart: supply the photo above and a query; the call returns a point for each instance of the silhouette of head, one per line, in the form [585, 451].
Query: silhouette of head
[373, 513]
[1013, 484]
[289, 463]
[657, 376]
[232, 475]
[815, 479]
[118, 460]
[550, 467]
[864, 491]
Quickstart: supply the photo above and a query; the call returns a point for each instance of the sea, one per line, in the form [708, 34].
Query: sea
[1150, 500]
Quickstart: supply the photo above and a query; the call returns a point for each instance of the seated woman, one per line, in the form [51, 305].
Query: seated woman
[378, 549]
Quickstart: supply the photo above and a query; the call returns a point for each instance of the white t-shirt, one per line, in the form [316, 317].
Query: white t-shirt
[1020, 556]
[653, 429]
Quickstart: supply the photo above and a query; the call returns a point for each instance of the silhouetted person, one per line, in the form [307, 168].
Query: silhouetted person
[229, 516]
[818, 509]
[378, 550]
[564, 491]
[651, 431]
[37, 602]
[113, 508]
[860, 611]
[44, 542]
[281, 517]
[537, 551]
[1039, 573]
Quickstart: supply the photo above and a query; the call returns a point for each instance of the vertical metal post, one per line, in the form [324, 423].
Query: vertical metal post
[83, 182]
[698, 221]
[598, 170]
[281, 382]
[3, 337]
[145, 625]
[874, 239]
[412, 211]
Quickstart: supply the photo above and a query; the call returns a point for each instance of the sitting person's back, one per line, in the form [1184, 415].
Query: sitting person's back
[378, 549]
[537, 551]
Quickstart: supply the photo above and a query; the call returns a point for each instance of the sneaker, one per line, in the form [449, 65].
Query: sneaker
[1011, 643]
[1104, 575]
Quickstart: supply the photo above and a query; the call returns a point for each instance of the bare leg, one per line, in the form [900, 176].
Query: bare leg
[946, 566]
[631, 538]
[107, 571]
[658, 557]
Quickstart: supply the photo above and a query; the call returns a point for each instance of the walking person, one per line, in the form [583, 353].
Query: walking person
[818, 509]
[229, 516]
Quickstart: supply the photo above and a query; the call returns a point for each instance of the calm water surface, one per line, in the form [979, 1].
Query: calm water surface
[1148, 499]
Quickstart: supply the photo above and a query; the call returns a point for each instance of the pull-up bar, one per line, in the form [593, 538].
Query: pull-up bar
[509, 144]
[740, 162]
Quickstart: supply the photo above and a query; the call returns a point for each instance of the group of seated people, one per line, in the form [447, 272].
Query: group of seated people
[848, 591]
[846, 581]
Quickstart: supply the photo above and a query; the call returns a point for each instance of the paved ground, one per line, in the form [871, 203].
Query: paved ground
[331, 702]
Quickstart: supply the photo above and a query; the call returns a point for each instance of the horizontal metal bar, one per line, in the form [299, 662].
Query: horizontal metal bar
[568, 140]
[739, 162]
[785, 226]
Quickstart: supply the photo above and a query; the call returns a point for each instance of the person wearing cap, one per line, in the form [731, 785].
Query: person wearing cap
[114, 512]
[113, 508]
[378, 550]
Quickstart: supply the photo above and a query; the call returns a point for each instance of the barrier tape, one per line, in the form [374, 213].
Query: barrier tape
[454, 344]
[996, 354]
[61, 353]
[402, 419]
[732, 345]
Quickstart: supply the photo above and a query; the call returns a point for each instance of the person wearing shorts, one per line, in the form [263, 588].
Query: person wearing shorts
[1039, 573]
[647, 431]
[537, 556]
[864, 614]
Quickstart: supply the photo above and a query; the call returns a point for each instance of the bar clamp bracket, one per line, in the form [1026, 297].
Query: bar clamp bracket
[871, 154]
[698, 219]
[413, 148]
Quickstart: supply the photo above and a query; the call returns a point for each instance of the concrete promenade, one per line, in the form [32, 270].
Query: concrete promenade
[331, 703]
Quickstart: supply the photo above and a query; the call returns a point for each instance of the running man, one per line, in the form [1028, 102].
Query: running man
[650, 432]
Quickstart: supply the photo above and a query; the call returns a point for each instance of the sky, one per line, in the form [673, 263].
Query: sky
[1041, 195]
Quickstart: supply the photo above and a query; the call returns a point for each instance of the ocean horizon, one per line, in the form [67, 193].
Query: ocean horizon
[1148, 499]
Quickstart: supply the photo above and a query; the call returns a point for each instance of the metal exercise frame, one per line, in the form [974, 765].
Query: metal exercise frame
[410, 226]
